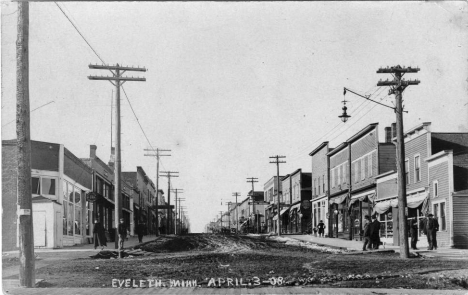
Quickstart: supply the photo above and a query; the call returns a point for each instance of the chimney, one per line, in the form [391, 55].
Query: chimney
[92, 151]
[388, 134]
[393, 130]
[112, 158]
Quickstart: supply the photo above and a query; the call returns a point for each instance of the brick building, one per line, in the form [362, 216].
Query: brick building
[60, 182]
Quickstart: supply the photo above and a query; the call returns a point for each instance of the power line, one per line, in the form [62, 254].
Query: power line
[80, 33]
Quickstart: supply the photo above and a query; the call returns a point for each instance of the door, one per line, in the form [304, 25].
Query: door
[58, 231]
[39, 219]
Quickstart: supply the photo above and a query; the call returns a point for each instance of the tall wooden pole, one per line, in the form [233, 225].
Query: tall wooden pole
[118, 163]
[397, 86]
[26, 233]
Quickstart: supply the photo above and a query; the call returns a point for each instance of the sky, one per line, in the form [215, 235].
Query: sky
[230, 84]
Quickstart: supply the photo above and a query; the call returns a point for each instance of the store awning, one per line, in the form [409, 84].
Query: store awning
[363, 197]
[411, 202]
[294, 207]
[283, 211]
[338, 200]
[275, 217]
[136, 206]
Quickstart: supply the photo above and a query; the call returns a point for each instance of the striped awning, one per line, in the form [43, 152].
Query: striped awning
[338, 200]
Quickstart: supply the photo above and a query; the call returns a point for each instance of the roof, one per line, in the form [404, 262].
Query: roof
[420, 126]
[317, 149]
[362, 132]
[337, 149]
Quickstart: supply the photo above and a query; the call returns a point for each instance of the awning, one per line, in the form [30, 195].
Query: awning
[283, 211]
[294, 207]
[411, 202]
[338, 200]
[136, 206]
[275, 217]
[363, 197]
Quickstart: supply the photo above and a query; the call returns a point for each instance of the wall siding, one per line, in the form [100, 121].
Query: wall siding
[387, 189]
[367, 180]
[387, 158]
[415, 146]
[336, 160]
[319, 171]
[460, 224]
[364, 145]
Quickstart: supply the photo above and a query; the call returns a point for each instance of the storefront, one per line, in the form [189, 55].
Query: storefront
[320, 212]
[360, 205]
[339, 213]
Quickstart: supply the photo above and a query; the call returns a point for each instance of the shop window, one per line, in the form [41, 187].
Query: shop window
[77, 205]
[356, 171]
[99, 186]
[386, 224]
[36, 185]
[417, 168]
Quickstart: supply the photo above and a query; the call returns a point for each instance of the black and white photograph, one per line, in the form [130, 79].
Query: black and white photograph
[234, 147]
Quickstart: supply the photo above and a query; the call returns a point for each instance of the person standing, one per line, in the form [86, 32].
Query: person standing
[321, 228]
[99, 235]
[432, 226]
[140, 230]
[413, 227]
[366, 233]
[374, 233]
[122, 230]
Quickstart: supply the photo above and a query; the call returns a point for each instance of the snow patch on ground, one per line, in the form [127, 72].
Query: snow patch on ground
[308, 245]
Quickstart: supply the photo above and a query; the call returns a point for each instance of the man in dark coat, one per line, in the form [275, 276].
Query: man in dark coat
[321, 228]
[432, 226]
[374, 232]
[122, 230]
[413, 227]
[140, 230]
[99, 235]
[366, 233]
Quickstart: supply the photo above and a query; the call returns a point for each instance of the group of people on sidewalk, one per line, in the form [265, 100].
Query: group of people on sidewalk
[100, 239]
[429, 226]
[371, 233]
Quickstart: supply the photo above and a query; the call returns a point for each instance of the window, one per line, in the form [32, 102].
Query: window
[318, 181]
[407, 171]
[363, 169]
[345, 168]
[417, 169]
[323, 183]
[442, 223]
[369, 163]
[36, 185]
[356, 170]
[340, 178]
[333, 177]
[99, 186]
[336, 176]
[435, 188]
[315, 186]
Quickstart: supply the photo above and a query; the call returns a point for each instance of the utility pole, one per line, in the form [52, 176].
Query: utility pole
[117, 80]
[237, 211]
[253, 180]
[169, 175]
[23, 146]
[397, 86]
[157, 155]
[277, 162]
[176, 191]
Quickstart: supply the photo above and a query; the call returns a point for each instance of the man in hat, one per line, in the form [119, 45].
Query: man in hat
[374, 232]
[122, 230]
[432, 226]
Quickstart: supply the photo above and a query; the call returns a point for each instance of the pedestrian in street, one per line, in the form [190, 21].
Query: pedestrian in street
[321, 228]
[122, 231]
[140, 230]
[99, 235]
[413, 227]
[432, 226]
[374, 232]
[366, 234]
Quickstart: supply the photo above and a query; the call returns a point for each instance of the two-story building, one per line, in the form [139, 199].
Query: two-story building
[60, 182]
[299, 184]
[271, 191]
[436, 174]
[320, 191]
